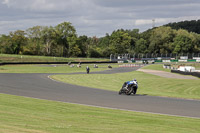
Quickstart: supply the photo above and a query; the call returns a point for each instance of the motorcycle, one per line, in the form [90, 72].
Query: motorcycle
[129, 87]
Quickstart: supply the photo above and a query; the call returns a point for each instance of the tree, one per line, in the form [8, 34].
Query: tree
[160, 40]
[73, 49]
[5, 45]
[92, 45]
[120, 42]
[18, 40]
[49, 39]
[183, 42]
[65, 35]
[135, 35]
[141, 46]
[104, 42]
[190, 26]
[62, 40]
[94, 53]
[82, 44]
[196, 42]
[35, 45]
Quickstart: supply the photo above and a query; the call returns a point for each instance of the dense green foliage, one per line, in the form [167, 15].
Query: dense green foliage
[191, 26]
[62, 40]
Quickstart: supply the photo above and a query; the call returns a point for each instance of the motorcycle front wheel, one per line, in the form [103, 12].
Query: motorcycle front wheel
[120, 92]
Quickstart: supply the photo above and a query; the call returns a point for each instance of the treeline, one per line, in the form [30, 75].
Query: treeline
[191, 26]
[62, 40]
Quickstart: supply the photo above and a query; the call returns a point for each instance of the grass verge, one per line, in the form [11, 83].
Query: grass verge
[20, 115]
[158, 67]
[148, 84]
[50, 68]
[31, 58]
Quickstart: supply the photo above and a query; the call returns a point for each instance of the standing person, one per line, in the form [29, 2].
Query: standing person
[88, 70]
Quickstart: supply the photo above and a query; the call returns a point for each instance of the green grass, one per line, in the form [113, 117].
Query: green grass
[29, 58]
[158, 67]
[19, 114]
[148, 84]
[27, 115]
[50, 68]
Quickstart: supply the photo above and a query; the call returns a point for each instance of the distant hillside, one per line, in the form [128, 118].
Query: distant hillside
[191, 26]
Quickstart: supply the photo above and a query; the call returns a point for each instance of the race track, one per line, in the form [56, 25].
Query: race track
[40, 86]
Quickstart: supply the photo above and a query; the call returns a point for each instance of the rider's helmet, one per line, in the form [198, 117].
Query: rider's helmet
[135, 80]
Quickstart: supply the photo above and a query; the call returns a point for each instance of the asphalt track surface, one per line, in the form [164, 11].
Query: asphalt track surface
[42, 87]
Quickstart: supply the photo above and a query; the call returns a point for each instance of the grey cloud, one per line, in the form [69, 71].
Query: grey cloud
[95, 17]
[141, 3]
[46, 5]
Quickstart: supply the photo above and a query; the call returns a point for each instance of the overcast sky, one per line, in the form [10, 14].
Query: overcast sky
[95, 17]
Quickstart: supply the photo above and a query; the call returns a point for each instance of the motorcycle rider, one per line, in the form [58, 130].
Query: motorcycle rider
[125, 83]
[87, 70]
[132, 81]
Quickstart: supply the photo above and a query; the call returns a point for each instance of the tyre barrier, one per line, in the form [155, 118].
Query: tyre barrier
[196, 74]
[131, 65]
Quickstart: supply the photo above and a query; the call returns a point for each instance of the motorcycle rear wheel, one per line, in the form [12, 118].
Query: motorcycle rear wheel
[120, 92]
[129, 91]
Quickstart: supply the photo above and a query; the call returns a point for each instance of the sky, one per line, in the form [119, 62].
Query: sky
[95, 17]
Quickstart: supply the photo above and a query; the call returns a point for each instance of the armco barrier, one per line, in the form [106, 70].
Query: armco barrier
[132, 65]
[158, 60]
[191, 60]
[196, 74]
[174, 60]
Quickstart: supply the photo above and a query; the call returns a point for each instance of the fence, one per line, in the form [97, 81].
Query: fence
[151, 56]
